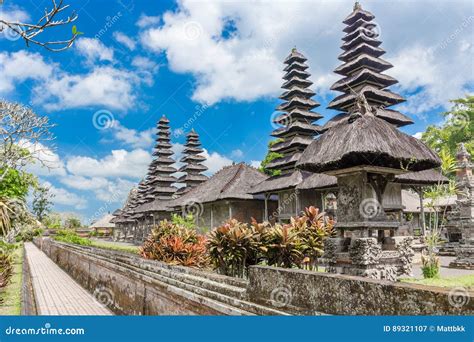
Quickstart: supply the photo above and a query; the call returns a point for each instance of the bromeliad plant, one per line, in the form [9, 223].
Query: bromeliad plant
[176, 244]
[235, 246]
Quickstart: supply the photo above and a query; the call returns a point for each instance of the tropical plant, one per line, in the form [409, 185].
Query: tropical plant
[429, 258]
[284, 246]
[175, 244]
[5, 216]
[235, 245]
[269, 158]
[70, 236]
[6, 269]
[457, 128]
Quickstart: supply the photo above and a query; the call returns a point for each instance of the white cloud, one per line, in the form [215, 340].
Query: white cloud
[145, 21]
[417, 135]
[103, 86]
[46, 161]
[131, 137]
[84, 183]
[14, 15]
[125, 40]
[215, 161]
[120, 163]
[241, 46]
[238, 153]
[64, 197]
[17, 67]
[94, 50]
[144, 63]
[255, 163]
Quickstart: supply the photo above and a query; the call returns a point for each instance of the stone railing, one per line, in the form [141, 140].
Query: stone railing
[130, 285]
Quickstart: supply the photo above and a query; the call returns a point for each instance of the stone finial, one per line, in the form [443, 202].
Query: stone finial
[357, 6]
[463, 154]
[361, 107]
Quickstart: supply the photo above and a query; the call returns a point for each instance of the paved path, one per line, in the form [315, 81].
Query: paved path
[56, 293]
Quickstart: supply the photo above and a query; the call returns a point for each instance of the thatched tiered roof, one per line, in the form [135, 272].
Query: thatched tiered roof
[426, 177]
[193, 166]
[367, 141]
[160, 171]
[127, 210]
[297, 179]
[231, 182]
[296, 117]
[362, 137]
[362, 70]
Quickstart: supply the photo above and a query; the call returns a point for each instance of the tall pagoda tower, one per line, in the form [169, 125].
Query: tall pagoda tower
[160, 171]
[295, 115]
[192, 163]
[362, 71]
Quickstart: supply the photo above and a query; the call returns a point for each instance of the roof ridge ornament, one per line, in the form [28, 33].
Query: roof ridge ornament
[361, 108]
[357, 6]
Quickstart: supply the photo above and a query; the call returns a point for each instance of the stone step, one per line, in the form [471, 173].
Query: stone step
[228, 295]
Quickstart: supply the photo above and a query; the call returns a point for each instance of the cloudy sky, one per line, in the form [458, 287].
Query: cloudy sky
[214, 66]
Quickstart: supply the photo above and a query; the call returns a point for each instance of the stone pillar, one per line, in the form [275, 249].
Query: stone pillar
[362, 247]
[463, 218]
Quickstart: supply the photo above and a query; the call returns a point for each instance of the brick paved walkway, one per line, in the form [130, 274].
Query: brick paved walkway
[56, 293]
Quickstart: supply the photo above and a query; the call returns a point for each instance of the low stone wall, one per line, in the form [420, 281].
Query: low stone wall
[307, 293]
[125, 291]
[130, 285]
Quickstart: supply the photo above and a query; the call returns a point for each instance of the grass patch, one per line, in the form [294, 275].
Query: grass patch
[11, 294]
[466, 281]
[115, 246]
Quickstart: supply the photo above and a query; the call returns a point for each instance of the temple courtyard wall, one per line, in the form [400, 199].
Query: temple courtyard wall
[130, 285]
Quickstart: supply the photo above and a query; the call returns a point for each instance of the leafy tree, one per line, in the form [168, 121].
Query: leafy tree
[42, 202]
[269, 158]
[457, 128]
[16, 183]
[72, 222]
[52, 221]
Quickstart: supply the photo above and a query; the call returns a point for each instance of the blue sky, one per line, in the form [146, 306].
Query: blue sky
[212, 66]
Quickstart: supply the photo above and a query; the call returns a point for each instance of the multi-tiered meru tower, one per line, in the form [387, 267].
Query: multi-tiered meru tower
[296, 116]
[193, 166]
[362, 72]
[160, 171]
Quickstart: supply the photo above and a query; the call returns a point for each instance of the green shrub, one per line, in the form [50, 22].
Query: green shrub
[70, 236]
[29, 234]
[176, 244]
[235, 246]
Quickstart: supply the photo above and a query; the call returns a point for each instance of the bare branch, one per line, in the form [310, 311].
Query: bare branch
[29, 31]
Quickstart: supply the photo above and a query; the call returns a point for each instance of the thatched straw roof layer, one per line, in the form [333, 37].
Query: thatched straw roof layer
[367, 141]
[231, 182]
